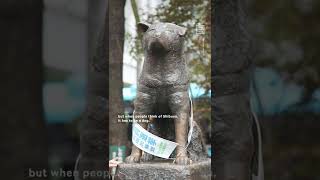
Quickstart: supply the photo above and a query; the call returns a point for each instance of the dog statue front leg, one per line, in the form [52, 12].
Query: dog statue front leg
[136, 152]
[180, 106]
[181, 128]
[143, 106]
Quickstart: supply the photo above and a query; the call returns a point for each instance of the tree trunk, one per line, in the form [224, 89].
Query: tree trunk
[93, 135]
[117, 131]
[233, 140]
[101, 115]
[22, 131]
[96, 15]
[93, 131]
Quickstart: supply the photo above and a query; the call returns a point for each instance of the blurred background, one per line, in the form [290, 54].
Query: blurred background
[286, 85]
[44, 60]
[70, 32]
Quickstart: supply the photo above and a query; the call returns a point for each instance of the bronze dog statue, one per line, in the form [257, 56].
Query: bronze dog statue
[163, 89]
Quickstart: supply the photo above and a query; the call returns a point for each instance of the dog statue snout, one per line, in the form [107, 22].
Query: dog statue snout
[156, 47]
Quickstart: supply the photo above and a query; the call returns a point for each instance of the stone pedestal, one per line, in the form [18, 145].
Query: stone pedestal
[164, 170]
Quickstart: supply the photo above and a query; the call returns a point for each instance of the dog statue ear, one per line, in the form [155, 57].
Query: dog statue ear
[143, 27]
[182, 31]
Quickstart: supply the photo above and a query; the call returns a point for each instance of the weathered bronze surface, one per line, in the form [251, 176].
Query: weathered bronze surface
[163, 89]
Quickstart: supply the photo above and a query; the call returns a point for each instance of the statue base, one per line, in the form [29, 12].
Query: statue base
[165, 170]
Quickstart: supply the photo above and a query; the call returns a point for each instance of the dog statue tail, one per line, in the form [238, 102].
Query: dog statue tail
[257, 165]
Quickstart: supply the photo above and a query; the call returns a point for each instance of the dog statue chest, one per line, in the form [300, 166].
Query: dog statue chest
[163, 73]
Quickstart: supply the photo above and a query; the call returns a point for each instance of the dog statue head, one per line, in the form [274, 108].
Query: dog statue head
[162, 38]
